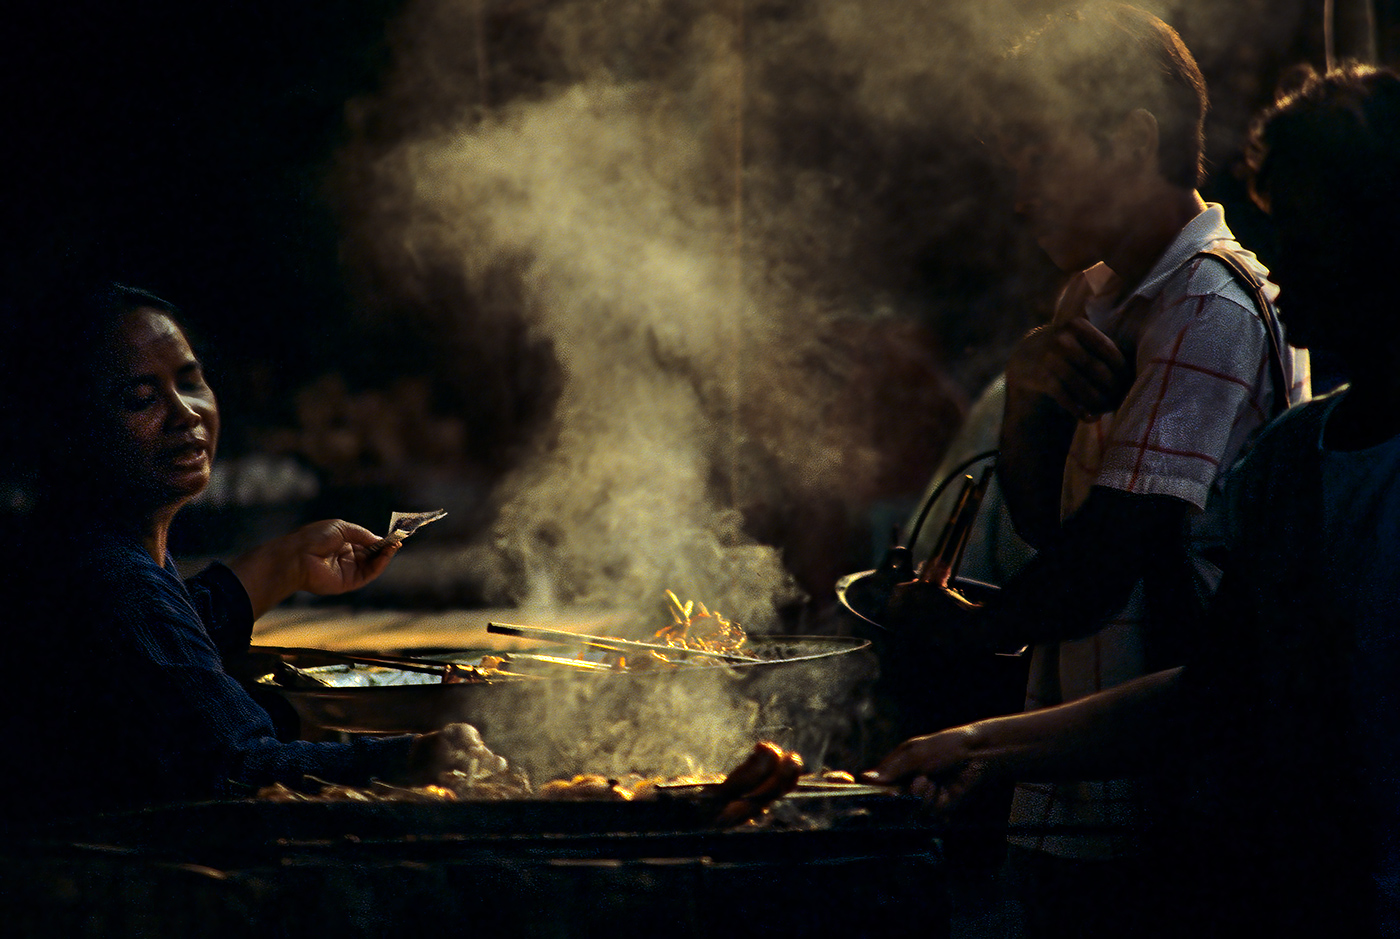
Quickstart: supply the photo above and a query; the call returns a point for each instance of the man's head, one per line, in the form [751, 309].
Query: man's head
[1326, 162]
[1100, 107]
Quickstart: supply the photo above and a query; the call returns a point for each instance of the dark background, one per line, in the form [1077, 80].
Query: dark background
[183, 146]
[186, 147]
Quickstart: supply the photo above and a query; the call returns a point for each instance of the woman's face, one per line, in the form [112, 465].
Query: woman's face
[159, 420]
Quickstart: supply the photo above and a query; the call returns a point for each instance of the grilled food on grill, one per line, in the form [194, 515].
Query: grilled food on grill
[374, 792]
[767, 774]
[593, 787]
[465, 787]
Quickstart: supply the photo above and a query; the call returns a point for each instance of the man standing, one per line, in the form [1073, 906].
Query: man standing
[1160, 363]
[1281, 735]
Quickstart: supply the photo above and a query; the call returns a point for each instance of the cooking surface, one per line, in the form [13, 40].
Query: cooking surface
[567, 870]
[346, 629]
[865, 865]
[229, 833]
[868, 866]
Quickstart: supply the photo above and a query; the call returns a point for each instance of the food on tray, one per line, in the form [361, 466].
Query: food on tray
[692, 627]
[765, 775]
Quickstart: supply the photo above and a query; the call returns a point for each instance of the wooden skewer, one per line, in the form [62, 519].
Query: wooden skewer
[526, 659]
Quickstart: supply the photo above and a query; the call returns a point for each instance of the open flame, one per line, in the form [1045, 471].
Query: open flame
[693, 627]
[698, 628]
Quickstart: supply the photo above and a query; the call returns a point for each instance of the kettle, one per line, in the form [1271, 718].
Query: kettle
[870, 594]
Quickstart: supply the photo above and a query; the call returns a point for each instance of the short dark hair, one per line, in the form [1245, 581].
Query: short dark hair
[97, 312]
[40, 411]
[1094, 65]
[1341, 131]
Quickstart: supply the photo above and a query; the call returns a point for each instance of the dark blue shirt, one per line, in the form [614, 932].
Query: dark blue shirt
[122, 697]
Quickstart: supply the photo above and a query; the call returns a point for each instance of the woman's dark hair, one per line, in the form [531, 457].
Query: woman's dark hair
[96, 313]
[50, 371]
[1094, 65]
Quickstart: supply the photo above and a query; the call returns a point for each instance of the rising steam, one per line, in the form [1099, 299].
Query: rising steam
[763, 253]
[705, 285]
[733, 228]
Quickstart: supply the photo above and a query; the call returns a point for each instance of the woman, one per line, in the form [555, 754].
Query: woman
[122, 696]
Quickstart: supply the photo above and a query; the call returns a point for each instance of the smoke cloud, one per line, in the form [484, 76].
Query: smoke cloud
[665, 198]
[720, 275]
[716, 277]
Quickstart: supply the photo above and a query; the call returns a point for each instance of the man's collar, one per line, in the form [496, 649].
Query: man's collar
[1207, 228]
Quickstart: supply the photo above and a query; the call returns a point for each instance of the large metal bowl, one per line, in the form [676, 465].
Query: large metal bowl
[799, 691]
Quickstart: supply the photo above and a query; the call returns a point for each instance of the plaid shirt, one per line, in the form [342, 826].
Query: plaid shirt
[1203, 387]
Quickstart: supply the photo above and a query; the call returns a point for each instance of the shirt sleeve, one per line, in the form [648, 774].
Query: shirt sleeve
[223, 607]
[190, 729]
[1194, 401]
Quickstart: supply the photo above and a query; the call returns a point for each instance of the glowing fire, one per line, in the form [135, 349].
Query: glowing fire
[693, 627]
[698, 628]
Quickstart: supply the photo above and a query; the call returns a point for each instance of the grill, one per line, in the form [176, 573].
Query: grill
[822, 865]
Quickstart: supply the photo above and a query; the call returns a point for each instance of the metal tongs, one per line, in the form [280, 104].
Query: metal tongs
[611, 644]
[869, 594]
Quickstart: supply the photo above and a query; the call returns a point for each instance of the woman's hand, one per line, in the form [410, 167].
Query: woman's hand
[334, 556]
[325, 558]
[942, 768]
[451, 747]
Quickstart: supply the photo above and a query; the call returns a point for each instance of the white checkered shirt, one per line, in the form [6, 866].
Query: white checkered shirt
[1203, 388]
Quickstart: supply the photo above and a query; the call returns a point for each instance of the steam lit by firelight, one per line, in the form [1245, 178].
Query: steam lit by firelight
[768, 258]
[723, 220]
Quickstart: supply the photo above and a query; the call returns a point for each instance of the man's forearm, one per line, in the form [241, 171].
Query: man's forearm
[1088, 569]
[1035, 439]
[1104, 735]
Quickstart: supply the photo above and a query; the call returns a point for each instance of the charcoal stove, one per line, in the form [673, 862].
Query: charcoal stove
[819, 866]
